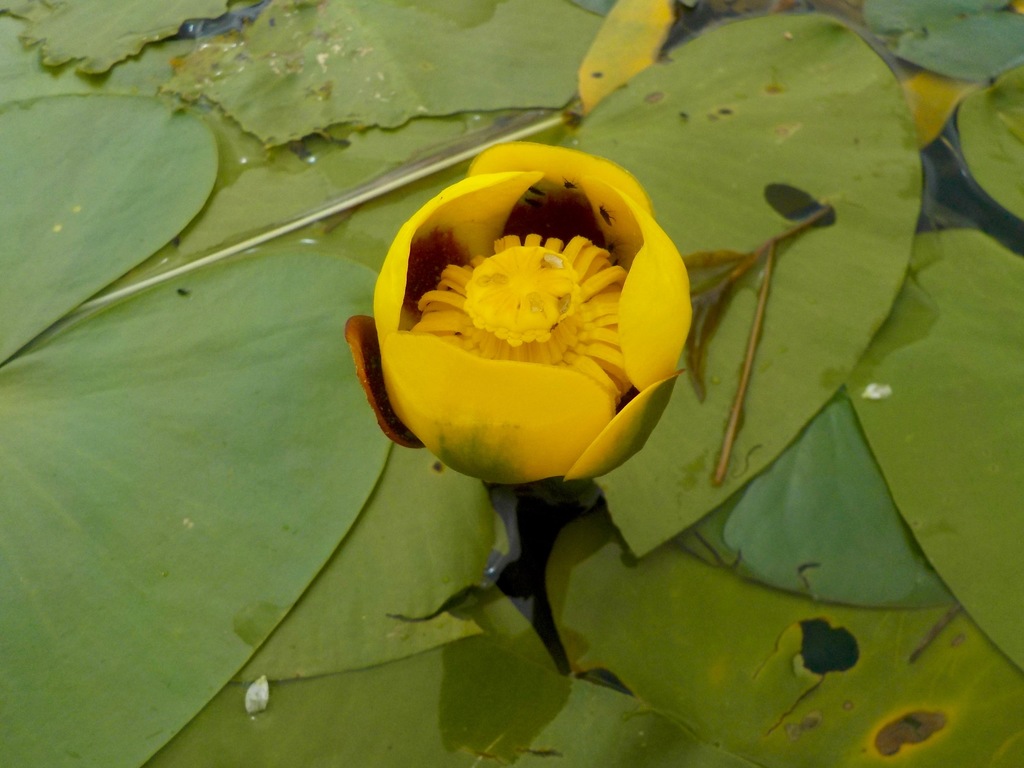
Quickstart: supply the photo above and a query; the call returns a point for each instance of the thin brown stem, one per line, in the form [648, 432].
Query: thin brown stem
[732, 429]
[934, 632]
[736, 413]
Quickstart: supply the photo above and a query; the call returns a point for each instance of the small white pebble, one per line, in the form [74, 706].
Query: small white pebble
[875, 391]
[257, 696]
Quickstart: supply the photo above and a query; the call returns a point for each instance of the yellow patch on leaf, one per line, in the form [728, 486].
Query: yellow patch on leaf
[628, 42]
[932, 99]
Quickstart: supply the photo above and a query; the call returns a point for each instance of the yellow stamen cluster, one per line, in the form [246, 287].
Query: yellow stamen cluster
[534, 301]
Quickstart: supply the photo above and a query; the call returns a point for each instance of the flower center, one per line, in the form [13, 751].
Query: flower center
[521, 293]
[534, 301]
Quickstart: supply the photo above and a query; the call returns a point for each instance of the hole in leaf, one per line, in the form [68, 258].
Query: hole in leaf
[827, 649]
[911, 728]
[795, 204]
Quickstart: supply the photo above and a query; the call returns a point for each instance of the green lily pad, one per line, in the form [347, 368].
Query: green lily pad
[467, 704]
[24, 76]
[176, 469]
[778, 679]
[968, 39]
[949, 438]
[424, 535]
[799, 100]
[303, 66]
[97, 34]
[78, 208]
[810, 522]
[991, 124]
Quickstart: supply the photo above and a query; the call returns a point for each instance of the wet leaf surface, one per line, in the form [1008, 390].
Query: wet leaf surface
[948, 440]
[96, 34]
[777, 679]
[301, 67]
[767, 109]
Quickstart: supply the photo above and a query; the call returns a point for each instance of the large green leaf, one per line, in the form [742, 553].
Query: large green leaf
[991, 124]
[424, 536]
[949, 440]
[303, 66]
[176, 470]
[468, 704]
[798, 100]
[778, 679]
[99, 33]
[91, 186]
[811, 520]
[969, 39]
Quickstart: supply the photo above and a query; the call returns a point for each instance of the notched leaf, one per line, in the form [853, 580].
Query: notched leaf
[912, 728]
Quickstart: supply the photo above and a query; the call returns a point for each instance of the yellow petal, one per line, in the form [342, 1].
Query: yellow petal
[474, 210]
[560, 166]
[626, 434]
[654, 309]
[628, 42]
[499, 420]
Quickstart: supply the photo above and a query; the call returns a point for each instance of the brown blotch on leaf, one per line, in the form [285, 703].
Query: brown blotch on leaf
[361, 335]
[911, 728]
[654, 98]
[428, 256]
[438, 467]
[562, 212]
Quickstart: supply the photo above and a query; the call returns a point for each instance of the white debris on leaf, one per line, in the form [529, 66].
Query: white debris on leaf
[875, 391]
[257, 696]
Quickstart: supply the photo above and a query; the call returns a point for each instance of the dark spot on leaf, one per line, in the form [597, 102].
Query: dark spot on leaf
[597, 75]
[724, 111]
[428, 257]
[795, 204]
[685, 116]
[654, 98]
[564, 212]
[827, 649]
[911, 728]
[184, 292]
[176, 241]
[438, 467]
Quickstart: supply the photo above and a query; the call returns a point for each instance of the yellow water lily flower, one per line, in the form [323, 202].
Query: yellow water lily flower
[528, 320]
